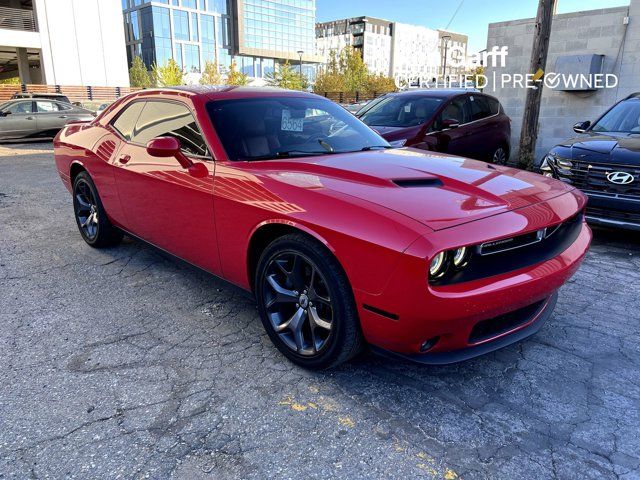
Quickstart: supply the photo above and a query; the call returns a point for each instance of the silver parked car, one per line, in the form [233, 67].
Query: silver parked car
[24, 118]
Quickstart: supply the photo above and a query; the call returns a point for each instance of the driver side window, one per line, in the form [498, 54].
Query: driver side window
[169, 119]
[457, 109]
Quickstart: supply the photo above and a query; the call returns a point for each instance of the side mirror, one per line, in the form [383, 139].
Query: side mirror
[4, 114]
[581, 127]
[450, 123]
[165, 147]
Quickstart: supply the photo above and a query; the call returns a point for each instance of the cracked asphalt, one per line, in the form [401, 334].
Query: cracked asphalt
[123, 363]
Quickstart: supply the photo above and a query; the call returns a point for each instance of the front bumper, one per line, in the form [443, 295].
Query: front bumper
[528, 325]
[613, 211]
[407, 316]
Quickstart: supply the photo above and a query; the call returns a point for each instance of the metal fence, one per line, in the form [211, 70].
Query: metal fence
[17, 19]
[75, 93]
[351, 97]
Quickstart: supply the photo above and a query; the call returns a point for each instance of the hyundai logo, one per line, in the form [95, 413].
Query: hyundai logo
[621, 178]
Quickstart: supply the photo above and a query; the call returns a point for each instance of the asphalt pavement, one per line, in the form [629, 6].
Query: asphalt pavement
[124, 363]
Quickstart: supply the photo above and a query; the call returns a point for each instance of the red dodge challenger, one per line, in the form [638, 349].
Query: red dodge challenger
[343, 241]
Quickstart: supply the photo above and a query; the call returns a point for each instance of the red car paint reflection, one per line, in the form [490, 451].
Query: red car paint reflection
[383, 214]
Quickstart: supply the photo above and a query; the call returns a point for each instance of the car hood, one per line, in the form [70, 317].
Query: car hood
[438, 190]
[618, 148]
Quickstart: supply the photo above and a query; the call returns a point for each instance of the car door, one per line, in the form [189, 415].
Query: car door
[49, 116]
[452, 140]
[18, 120]
[164, 203]
[482, 137]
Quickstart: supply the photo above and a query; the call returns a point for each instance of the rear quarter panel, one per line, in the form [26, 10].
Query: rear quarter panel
[90, 146]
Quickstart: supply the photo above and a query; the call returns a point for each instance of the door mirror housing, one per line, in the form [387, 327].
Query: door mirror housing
[581, 127]
[4, 114]
[450, 123]
[166, 147]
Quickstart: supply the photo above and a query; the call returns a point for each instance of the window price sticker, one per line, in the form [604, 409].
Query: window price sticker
[290, 124]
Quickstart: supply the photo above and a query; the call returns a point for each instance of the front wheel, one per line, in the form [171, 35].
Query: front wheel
[92, 220]
[306, 304]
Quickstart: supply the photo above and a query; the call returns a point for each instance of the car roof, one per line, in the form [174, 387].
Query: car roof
[434, 92]
[225, 91]
[39, 94]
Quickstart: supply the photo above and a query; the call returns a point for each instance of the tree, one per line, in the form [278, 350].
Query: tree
[286, 76]
[349, 74]
[236, 77]
[380, 84]
[138, 74]
[329, 78]
[168, 75]
[211, 74]
[353, 69]
[476, 74]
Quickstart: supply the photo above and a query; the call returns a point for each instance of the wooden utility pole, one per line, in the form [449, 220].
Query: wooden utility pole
[529, 132]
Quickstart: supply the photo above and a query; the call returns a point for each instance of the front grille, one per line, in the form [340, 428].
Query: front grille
[629, 217]
[592, 177]
[491, 328]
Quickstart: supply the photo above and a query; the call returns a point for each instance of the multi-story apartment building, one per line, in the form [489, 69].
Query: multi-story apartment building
[454, 45]
[395, 49]
[63, 42]
[256, 34]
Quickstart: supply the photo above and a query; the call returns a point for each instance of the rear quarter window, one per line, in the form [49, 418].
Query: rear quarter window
[125, 122]
[494, 105]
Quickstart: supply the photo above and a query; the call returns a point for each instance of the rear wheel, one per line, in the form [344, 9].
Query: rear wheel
[500, 155]
[95, 228]
[306, 304]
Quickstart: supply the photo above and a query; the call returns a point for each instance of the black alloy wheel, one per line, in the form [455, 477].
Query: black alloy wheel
[500, 156]
[306, 304]
[93, 223]
[298, 303]
[86, 210]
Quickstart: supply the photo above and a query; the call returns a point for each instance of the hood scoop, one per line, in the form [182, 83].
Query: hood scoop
[418, 182]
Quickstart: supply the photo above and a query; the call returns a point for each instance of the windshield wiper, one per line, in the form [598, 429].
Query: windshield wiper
[375, 147]
[299, 153]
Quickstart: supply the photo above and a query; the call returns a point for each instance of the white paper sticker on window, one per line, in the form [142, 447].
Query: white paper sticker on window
[407, 108]
[290, 124]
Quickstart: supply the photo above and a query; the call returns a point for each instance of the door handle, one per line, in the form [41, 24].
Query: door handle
[30, 118]
[123, 159]
[62, 116]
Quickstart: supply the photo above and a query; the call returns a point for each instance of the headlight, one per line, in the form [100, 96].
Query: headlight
[398, 143]
[547, 165]
[460, 257]
[449, 263]
[437, 265]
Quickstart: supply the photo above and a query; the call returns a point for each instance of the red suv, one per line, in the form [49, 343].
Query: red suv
[459, 122]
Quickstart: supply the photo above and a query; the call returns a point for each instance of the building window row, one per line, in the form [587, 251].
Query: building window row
[217, 6]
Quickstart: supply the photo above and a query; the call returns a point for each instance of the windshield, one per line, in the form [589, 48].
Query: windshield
[276, 127]
[624, 117]
[402, 111]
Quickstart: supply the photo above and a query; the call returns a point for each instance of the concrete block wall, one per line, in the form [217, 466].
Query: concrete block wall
[601, 32]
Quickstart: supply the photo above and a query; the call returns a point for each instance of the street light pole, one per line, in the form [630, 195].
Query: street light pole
[446, 39]
[300, 52]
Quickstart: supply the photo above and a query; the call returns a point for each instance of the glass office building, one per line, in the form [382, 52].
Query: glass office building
[256, 34]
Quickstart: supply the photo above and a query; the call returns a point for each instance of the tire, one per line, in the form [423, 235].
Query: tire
[500, 155]
[91, 218]
[293, 272]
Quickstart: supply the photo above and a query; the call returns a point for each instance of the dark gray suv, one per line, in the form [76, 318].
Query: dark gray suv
[26, 118]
